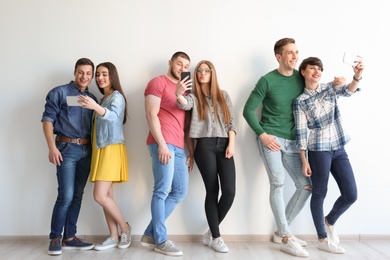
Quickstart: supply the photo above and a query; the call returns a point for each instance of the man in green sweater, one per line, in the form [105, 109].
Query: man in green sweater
[276, 134]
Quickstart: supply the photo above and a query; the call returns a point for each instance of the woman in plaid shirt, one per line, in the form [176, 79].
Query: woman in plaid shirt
[316, 110]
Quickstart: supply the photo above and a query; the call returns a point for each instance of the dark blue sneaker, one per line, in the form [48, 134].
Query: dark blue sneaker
[76, 243]
[55, 246]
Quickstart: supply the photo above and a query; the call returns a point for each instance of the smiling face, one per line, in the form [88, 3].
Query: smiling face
[288, 58]
[83, 75]
[311, 69]
[312, 73]
[102, 78]
[177, 66]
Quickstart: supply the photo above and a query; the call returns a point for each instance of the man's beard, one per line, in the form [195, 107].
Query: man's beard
[174, 74]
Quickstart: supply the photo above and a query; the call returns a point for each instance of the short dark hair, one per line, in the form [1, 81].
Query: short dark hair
[180, 54]
[84, 61]
[278, 47]
[311, 61]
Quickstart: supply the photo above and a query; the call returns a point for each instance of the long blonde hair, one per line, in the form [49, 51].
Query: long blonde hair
[217, 98]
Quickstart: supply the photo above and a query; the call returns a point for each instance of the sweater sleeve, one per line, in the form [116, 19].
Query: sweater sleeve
[254, 100]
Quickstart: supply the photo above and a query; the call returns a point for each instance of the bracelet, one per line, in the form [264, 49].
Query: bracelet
[355, 79]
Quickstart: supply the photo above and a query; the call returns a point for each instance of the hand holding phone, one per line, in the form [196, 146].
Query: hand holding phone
[184, 75]
[351, 59]
[72, 101]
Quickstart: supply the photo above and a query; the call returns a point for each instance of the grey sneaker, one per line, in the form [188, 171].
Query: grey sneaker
[125, 239]
[207, 238]
[332, 234]
[330, 246]
[148, 241]
[219, 246]
[110, 242]
[292, 247]
[168, 248]
[278, 240]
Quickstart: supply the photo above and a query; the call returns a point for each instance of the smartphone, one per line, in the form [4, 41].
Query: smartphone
[350, 58]
[185, 74]
[72, 101]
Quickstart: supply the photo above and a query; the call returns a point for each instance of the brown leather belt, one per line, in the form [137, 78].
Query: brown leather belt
[78, 141]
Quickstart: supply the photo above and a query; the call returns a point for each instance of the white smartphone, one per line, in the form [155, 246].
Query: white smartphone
[350, 58]
[72, 101]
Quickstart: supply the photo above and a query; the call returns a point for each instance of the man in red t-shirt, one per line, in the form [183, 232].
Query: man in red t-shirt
[166, 147]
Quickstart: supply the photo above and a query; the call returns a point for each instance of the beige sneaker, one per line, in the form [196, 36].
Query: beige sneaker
[110, 242]
[148, 241]
[168, 248]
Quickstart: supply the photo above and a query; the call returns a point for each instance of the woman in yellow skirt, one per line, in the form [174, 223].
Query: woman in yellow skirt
[109, 158]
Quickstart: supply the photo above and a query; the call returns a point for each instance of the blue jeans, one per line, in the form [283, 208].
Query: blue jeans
[276, 163]
[170, 188]
[72, 175]
[337, 163]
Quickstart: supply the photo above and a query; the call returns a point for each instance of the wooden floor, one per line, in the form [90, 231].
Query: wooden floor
[37, 249]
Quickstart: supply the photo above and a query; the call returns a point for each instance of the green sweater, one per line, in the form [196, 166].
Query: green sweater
[276, 93]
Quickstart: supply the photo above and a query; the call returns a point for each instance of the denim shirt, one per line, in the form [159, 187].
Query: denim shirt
[69, 121]
[109, 128]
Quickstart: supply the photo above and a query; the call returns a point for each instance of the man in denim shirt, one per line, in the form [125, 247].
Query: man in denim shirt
[70, 151]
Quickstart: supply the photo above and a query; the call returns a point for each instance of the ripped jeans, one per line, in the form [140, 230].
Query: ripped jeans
[277, 163]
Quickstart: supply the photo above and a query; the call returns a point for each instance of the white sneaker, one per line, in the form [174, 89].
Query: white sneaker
[219, 246]
[278, 240]
[207, 238]
[110, 242]
[332, 234]
[330, 246]
[292, 247]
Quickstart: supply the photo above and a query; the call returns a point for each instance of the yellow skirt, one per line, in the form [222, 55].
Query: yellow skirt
[109, 163]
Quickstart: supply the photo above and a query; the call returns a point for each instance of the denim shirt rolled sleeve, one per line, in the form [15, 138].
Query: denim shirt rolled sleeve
[109, 127]
[69, 121]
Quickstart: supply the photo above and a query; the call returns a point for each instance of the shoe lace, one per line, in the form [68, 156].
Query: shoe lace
[169, 244]
[124, 236]
[331, 243]
[55, 241]
[78, 240]
[294, 244]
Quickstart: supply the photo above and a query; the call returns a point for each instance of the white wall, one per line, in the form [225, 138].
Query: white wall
[41, 41]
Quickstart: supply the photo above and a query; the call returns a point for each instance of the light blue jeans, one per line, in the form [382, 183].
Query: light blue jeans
[277, 163]
[170, 188]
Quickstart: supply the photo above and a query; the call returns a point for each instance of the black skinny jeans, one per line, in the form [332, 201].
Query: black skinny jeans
[215, 168]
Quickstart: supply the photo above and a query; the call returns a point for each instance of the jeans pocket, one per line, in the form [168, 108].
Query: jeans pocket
[62, 146]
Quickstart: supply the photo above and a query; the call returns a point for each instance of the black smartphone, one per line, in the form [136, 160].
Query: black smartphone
[185, 74]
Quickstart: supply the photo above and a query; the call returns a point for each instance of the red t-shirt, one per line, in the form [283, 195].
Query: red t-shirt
[170, 115]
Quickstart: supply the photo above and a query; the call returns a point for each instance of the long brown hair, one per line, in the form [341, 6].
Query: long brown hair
[217, 98]
[115, 82]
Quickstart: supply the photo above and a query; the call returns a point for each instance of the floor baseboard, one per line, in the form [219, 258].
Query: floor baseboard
[191, 238]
